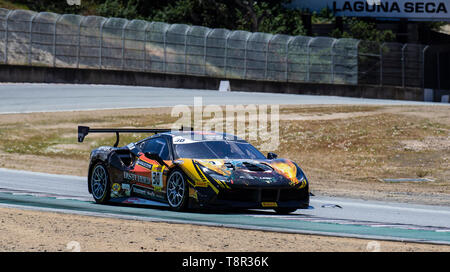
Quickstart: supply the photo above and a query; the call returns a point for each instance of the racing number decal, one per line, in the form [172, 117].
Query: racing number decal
[157, 176]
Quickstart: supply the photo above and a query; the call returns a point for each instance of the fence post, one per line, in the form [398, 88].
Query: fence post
[308, 75]
[165, 49]
[101, 43]
[267, 56]
[79, 41]
[186, 33]
[6, 36]
[123, 44]
[54, 39]
[332, 59]
[287, 57]
[226, 53]
[205, 50]
[423, 65]
[245, 55]
[145, 44]
[30, 49]
[403, 64]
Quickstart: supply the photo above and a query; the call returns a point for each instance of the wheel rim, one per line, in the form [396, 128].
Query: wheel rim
[175, 189]
[99, 182]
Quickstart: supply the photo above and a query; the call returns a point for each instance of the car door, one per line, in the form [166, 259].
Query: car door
[149, 178]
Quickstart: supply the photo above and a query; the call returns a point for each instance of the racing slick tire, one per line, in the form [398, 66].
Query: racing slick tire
[100, 183]
[177, 190]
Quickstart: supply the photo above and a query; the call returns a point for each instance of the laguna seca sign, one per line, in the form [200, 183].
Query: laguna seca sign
[426, 10]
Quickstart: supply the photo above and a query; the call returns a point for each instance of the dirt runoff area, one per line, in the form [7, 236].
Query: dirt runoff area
[29, 231]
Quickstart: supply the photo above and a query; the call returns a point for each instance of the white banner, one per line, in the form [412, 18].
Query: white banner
[424, 10]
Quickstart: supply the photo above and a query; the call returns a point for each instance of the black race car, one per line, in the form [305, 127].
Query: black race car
[193, 169]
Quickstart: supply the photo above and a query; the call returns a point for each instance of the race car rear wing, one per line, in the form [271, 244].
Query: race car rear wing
[84, 131]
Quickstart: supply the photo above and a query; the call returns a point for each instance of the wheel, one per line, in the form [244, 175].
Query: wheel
[177, 190]
[100, 184]
[285, 210]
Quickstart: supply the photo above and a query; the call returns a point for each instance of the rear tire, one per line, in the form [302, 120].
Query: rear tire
[177, 190]
[100, 183]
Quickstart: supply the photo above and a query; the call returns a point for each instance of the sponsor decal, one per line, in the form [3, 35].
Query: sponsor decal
[421, 10]
[269, 204]
[391, 7]
[139, 191]
[145, 164]
[136, 178]
[182, 140]
[435, 10]
[116, 187]
[199, 183]
[147, 193]
[126, 188]
[179, 140]
[133, 200]
[267, 179]
[193, 193]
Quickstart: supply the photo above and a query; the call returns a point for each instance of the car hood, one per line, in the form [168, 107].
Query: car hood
[248, 173]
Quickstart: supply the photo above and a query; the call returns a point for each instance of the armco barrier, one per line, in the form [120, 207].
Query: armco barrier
[20, 73]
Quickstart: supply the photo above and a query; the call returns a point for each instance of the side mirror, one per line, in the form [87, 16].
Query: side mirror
[155, 157]
[271, 156]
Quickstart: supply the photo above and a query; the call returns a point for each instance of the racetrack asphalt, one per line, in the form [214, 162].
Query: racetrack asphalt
[28, 97]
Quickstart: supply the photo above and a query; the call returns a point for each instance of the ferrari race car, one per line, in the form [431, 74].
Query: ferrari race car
[193, 169]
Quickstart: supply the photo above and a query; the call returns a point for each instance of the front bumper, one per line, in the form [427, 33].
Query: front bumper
[260, 198]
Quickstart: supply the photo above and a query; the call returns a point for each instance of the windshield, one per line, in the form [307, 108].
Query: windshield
[218, 150]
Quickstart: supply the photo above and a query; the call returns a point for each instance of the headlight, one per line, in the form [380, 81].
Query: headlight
[213, 174]
[300, 174]
[301, 177]
[205, 170]
[218, 177]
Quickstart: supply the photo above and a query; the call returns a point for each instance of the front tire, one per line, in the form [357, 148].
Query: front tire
[100, 184]
[177, 190]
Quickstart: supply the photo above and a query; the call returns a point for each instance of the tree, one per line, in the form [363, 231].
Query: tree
[254, 11]
[120, 9]
[210, 13]
[362, 30]
[49, 5]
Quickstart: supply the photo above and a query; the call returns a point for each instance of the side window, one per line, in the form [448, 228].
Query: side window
[157, 146]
